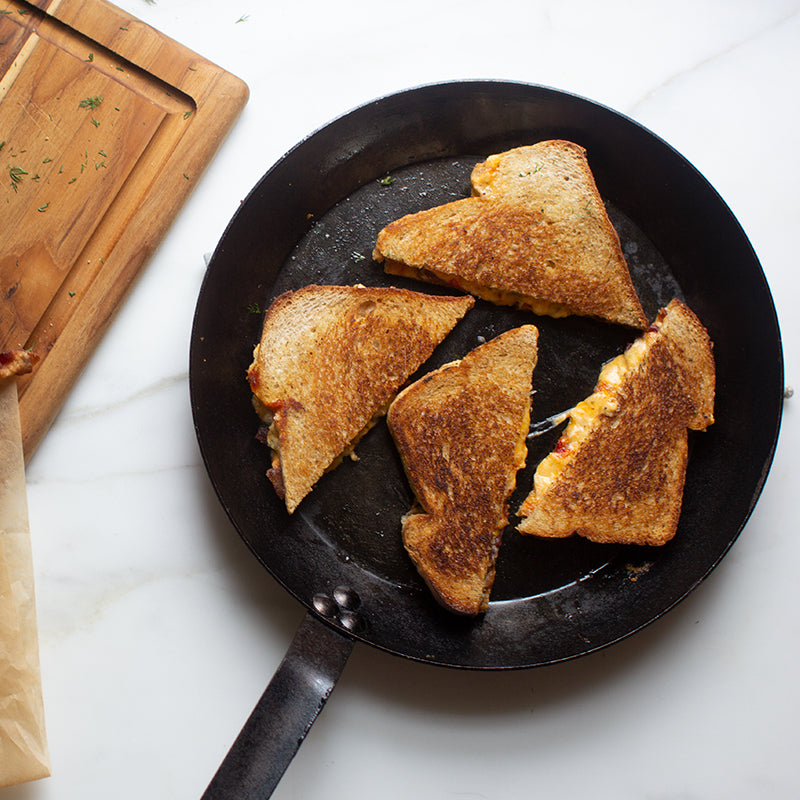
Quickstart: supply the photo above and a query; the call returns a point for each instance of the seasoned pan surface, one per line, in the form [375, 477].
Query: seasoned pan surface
[314, 217]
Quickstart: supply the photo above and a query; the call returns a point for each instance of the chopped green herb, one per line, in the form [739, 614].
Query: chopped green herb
[90, 57]
[254, 308]
[358, 256]
[120, 69]
[72, 180]
[16, 174]
[102, 153]
[243, 18]
[71, 294]
[43, 208]
[122, 28]
[90, 102]
[2, 144]
[186, 176]
[95, 123]
[46, 160]
[388, 180]
[99, 164]
[193, 69]
[187, 114]
[537, 168]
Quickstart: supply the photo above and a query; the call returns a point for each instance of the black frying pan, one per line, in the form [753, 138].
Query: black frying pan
[313, 218]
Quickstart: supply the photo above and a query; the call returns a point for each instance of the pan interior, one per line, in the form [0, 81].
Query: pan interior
[356, 509]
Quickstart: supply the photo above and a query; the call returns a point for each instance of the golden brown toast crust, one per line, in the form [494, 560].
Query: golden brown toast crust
[536, 228]
[460, 432]
[624, 481]
[330, 358]
[693, 356]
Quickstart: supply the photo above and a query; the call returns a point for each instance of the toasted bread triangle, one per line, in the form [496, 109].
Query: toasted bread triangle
[617, 473]
[460, 432]
[329, 362]
[535, 234]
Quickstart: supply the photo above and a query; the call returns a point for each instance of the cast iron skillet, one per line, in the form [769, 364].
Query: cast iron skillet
[313, 218]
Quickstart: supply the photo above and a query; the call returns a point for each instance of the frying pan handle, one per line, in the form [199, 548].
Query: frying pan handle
[284, 715]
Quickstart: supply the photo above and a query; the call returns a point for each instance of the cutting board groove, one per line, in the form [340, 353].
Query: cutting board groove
[106, 126]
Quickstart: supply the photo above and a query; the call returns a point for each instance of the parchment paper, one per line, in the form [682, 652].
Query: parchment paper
[23, 741]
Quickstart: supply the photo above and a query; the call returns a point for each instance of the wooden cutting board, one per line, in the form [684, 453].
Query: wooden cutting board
[106, 125]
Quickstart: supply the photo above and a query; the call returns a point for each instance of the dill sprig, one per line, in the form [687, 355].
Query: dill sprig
[90, 102]
[16, 173]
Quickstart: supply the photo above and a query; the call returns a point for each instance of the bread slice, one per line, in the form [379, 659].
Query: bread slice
[461, 432]
[329, 362]
[535, 234]
[617, 473]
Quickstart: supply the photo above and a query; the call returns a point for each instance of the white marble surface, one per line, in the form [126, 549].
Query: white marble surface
[158, 629]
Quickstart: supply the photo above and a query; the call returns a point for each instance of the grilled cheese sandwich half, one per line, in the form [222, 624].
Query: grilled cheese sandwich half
[329, 362]
[534, 234]
[461, 433]
[618, 470]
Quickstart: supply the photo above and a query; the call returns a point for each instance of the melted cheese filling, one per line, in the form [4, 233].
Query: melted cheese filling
[603, 402]
[266, 417]
[502, 297]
